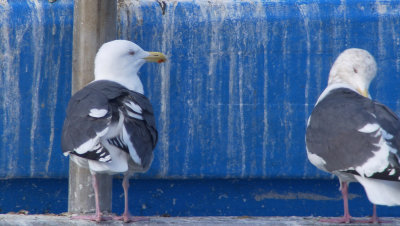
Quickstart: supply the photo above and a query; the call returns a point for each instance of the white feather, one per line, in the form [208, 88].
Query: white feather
[316, 160]
[369, 128]
[119, 163]
[114, 129]
[135, 110]
[132, 150]
[134, 107]
[380, 161]
[134, 115]
[381, 192]
[91, 143]
[97, 113]
[331, 87]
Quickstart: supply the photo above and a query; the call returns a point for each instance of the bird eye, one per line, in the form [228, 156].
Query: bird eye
[131, 52]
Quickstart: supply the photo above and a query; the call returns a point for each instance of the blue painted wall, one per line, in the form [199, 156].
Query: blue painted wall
[231, 102]
[35, 84]
[243, 78]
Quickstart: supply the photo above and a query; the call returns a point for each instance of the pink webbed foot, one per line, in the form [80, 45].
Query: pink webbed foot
[344, 220]
[339, 220]
[97, 218]
[346, 217]
[372, 220]
[128, 218]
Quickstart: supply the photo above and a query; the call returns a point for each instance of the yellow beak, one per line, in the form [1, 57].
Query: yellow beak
[363, 92]
[156, 57]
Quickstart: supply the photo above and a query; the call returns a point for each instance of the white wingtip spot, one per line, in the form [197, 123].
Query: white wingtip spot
[377, 163]
[97, 113]
[316, 160]
[132, 150]
[369, 128]
[387, 135]
[105, 159]
[134, 115]
[88, 145]
[134, 107]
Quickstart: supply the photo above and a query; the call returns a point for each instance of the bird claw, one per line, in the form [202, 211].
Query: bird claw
[97, 218]
[347, 220]
[372, 221]
[128, 218]
[340, 220]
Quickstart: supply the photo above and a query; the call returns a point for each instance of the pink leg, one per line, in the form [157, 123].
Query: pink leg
[374, 219]
[96, 196]
[346, 218]
[126, 216]
[98, 216]
[125, 184]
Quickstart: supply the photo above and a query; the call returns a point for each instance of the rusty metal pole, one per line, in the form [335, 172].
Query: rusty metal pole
[94, 24]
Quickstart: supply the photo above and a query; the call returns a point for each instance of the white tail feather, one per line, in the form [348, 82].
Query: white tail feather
[381, 192]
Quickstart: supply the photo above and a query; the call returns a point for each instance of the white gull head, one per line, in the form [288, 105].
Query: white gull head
[120, 61]
[354, 67]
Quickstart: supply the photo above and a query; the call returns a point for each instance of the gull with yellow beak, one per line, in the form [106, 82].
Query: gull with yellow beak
[353, 137]
[109, 125]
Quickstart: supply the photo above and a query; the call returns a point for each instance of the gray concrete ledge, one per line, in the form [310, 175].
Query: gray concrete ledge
[50, 220]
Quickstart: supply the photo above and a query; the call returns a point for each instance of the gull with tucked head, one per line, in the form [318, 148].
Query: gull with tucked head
[355, 67]
[353, 137]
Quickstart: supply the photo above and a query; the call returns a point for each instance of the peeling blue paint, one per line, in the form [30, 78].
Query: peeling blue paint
[231, 102]
[243, 77]
[35, 84]
[207, 197]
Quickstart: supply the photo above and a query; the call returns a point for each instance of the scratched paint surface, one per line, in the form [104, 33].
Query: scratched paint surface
[35, 77]
[243, 76]
[232, 100]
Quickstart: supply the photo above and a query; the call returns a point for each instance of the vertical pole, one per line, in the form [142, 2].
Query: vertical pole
[94, 24]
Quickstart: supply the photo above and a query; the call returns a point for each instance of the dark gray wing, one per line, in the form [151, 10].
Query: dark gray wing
[335, 132]
[140, 128]
[90, 112]
[93, 109]
[389, 122]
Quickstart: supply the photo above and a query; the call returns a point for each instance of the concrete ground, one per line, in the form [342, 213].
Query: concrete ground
[50, 220]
